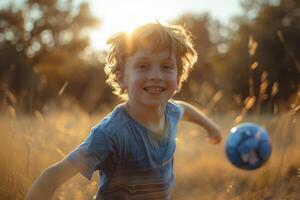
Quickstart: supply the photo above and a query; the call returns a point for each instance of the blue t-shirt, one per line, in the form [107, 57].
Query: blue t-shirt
[133, 162]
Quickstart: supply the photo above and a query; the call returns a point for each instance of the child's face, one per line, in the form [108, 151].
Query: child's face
[150, 78]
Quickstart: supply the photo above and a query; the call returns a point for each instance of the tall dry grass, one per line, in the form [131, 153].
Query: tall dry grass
[202, 171]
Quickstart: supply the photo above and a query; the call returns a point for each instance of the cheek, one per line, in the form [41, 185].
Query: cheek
[176, 78]
[133, 81]
[173, 81]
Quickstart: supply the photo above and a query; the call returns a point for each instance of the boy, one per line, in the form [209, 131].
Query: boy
[133, 146]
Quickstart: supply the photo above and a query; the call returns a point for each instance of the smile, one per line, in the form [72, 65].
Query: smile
[154, 89]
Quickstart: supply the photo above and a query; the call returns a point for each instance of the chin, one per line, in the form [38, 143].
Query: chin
[155, 103]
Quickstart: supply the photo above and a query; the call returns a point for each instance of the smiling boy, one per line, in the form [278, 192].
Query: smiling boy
[133, 147]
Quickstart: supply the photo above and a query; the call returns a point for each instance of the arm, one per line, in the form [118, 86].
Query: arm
[192, 114]
[50, 180]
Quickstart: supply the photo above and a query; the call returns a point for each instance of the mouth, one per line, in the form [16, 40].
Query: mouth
[154, 89]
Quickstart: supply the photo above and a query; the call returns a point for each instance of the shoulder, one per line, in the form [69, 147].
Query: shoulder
[106, 134]
[174, 109]
[173, 106]
[112, 123]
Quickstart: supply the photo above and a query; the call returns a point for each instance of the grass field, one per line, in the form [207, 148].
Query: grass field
[30, 144]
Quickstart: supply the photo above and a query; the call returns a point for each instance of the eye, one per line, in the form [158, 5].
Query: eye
[168, 67]
[141, 67]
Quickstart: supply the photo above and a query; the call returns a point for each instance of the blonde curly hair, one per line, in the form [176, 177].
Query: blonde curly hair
[155, 36]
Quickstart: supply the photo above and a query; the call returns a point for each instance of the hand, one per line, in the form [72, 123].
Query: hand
[214, 136]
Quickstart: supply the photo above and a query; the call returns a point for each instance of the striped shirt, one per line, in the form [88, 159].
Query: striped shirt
[133, 162]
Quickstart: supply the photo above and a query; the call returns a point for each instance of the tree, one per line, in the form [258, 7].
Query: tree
[263, 55]
[41, 47]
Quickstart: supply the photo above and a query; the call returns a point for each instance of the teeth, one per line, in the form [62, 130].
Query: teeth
[154, 89]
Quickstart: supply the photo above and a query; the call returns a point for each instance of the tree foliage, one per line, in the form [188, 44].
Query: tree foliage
[43, 46]
[44, 52]
[255, 56]
[263, 52]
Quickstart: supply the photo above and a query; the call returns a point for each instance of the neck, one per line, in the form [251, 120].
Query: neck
[152, 118]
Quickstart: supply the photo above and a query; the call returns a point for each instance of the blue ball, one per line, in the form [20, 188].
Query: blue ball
[248, 146]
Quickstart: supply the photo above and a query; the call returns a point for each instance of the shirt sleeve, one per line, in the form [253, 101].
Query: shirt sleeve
[175, 110]
[89, 155]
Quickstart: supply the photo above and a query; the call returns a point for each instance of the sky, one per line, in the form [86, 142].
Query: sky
[123, 15]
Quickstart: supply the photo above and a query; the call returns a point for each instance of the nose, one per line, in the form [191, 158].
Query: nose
[155, 74]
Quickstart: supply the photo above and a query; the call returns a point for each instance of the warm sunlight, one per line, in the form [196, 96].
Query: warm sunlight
[124, 16]
[120, 15]
[93, 121]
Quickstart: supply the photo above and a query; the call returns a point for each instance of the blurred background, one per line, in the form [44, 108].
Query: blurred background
[55, 49]
[52, 85]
